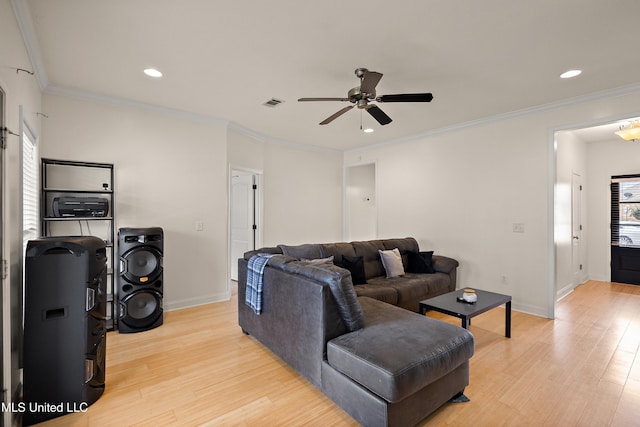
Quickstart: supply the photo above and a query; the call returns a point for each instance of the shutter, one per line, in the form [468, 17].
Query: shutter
[29, 189]
[615, 213]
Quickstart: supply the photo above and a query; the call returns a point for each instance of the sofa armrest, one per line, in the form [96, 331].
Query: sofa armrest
[299, 316]
[446, 265]
[443, 264]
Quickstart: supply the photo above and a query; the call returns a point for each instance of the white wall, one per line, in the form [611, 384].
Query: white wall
[302, 188]
[571, 158]
[460, 192]
[605, 159]
[169, 172]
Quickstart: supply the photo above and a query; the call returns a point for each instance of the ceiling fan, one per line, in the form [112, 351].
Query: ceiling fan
[362, 95]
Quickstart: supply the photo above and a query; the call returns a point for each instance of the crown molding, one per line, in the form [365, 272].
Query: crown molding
[121, 102]
[25, 24]
[266, 139]
[186, 115]
[581, 99]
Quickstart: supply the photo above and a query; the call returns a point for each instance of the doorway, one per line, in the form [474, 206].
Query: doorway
[586, 156]
[361, 213]
[576, 228]
[245, 225]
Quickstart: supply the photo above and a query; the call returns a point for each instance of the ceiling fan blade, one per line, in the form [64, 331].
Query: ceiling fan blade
[406, 97]
[369, 82]
[336, 115]
[378, 114]
[322, 99]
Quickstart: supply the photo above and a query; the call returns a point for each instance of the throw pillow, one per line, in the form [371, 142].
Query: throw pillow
[420, 262]
[355, 264]
[392, 262]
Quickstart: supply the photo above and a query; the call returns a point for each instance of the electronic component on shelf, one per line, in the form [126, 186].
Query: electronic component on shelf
[80, 207]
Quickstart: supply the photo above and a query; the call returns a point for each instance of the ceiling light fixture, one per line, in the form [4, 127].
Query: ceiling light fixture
[631, 133]
[570, 73]
[152, 72]
[368, 130]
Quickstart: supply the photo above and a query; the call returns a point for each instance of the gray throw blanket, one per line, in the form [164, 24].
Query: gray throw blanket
[255, 271]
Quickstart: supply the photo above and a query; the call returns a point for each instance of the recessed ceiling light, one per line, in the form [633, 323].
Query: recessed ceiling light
[368, 130]
[152, 72]
[570, 73]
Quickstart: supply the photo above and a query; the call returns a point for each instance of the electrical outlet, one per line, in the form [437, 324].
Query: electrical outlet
[503, 279]
[518, 227]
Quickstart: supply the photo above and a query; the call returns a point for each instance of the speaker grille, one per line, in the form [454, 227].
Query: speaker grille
[141, 264]
[140, 283]
[141, 309]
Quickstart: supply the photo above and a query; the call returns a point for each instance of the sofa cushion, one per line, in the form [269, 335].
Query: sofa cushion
[392, 262]
[378, 291]
[338, 250]
[307, 251]
[355, 265]
[405, 245]
[395, 368]
[412, 288]
[369, 253]
[420, 262]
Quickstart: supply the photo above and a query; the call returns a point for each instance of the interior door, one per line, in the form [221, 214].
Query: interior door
[242, 218]
[576, 228]
[361, 218]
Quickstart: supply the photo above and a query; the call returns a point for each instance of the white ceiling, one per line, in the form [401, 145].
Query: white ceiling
[223, 59]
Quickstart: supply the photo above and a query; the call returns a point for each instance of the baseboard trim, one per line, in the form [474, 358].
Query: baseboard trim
[194, 302]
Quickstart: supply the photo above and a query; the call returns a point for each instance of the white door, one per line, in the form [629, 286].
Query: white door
[360, 202]
[576, 228]
[242, 219]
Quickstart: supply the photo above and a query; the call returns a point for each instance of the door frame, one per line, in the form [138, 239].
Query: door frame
[258, 213]
[346, 232]
[5, 369]
[577, 232]
[552, 197]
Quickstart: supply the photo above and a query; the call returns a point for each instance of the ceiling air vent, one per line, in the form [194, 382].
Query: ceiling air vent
[273, 102]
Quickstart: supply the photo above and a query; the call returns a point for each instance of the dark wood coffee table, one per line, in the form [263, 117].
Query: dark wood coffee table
[448, 304]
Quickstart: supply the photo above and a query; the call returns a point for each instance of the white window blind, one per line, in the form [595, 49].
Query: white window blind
[29, 189]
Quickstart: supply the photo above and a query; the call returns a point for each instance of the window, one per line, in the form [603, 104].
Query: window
[625, 210]
[29, 187]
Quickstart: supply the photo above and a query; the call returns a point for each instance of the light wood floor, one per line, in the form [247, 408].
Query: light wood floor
[582, 369]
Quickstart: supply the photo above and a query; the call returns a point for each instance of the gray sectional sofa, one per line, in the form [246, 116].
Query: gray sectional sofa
[381, 363]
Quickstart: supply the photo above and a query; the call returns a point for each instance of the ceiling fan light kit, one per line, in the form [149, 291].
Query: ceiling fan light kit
[632, 133]
[362, 97]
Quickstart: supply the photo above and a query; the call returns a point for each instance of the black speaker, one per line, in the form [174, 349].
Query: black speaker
[140, 279]
[64, 326]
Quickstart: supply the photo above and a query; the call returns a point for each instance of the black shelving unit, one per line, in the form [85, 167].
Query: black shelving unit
[72, 203]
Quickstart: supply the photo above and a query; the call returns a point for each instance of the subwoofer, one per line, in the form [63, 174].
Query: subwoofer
[140, 279]
[64, 326]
